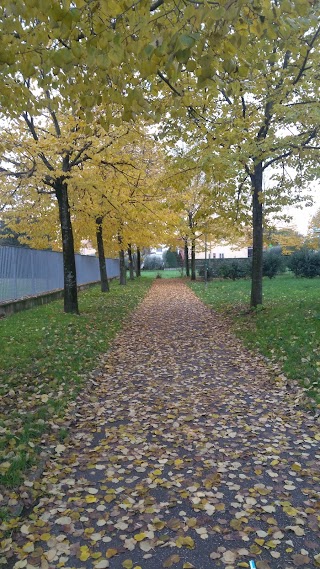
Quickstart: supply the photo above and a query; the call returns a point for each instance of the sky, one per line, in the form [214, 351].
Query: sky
[302, 217]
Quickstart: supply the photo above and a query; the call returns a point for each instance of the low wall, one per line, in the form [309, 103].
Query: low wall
[12, 306]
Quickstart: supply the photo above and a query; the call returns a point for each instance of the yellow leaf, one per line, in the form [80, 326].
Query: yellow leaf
[90, 499]
[28, 547]
[109, 498]
[140, 536]
[127, 564]
[84, 553]
[111, 553]
[172, 560]
[255, 549]
[290, 511]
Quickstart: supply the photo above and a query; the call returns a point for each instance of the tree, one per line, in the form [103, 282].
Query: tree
[313, 237]
[53, 151]
[10, 237]
[287, 238]
[124, 193]
[255, 106]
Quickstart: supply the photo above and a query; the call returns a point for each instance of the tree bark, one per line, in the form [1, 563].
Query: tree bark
[138, 270]
[257, 235]
[193, 260]
[69, 262]
[186, 257]
[102, 259]
[123, 275]
[130, 262]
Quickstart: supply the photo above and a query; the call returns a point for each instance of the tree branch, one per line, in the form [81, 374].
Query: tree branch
[306, 58]
[76, 161]
[53, 116]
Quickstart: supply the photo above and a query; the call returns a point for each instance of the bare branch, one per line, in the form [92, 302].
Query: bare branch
[222, 91]
[277, 158]
[169, 84]
[306, 58]
[76, 161]
[53, 116]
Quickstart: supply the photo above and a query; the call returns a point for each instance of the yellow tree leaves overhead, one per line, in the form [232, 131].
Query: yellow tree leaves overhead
[65, 46]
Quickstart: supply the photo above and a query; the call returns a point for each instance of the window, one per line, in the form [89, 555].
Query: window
[221, 255]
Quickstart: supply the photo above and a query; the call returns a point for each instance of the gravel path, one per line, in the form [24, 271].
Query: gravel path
[184, 453]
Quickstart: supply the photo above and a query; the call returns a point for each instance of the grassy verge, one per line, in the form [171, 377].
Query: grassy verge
[166, 274]
[44, 357]
[286, 330]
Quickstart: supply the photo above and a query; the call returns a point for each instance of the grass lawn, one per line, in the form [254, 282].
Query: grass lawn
[286, 330]
[165, 274]
[45, 355]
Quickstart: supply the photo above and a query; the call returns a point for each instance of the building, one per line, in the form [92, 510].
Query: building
[222, 251]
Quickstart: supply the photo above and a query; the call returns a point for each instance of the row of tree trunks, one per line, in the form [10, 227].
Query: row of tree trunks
[69, 265]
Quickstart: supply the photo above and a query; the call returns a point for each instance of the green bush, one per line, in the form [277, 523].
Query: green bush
[234, 270]
[153, 263]
[272, 264]
[305, 263]
[210, 272]
[171, 259]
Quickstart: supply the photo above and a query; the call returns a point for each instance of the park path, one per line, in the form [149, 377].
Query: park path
[184, 453]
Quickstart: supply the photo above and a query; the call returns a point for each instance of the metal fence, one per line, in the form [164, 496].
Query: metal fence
[27, 272]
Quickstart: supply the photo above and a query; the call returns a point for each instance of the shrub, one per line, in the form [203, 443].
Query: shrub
[210, 272]
[153, 263]
[272, 264]
[234, 270]
[305, 263]
[171, 259]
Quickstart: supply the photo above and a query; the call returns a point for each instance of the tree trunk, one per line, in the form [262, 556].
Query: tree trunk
[257, 234]
[102, 259]
[186, 257]
[123, 275]
[130, 262]
[193, 260]
[138, 270]
[69, 262]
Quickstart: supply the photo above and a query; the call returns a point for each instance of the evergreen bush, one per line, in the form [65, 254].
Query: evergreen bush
[272, 264]
[305, 263]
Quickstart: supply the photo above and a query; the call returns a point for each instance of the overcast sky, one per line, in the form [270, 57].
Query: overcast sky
[301, 217]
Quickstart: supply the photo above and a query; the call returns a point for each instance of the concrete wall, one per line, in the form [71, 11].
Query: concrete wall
[12, 306]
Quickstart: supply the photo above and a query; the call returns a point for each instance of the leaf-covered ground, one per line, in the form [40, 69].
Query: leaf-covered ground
[184, 453]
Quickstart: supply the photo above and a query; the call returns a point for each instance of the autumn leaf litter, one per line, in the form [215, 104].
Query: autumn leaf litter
[184, 453]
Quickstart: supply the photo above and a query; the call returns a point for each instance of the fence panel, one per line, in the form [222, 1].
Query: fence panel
[27, 272]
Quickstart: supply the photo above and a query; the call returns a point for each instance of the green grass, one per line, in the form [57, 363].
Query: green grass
[165, 274]
[286, 330]
[45, 355]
